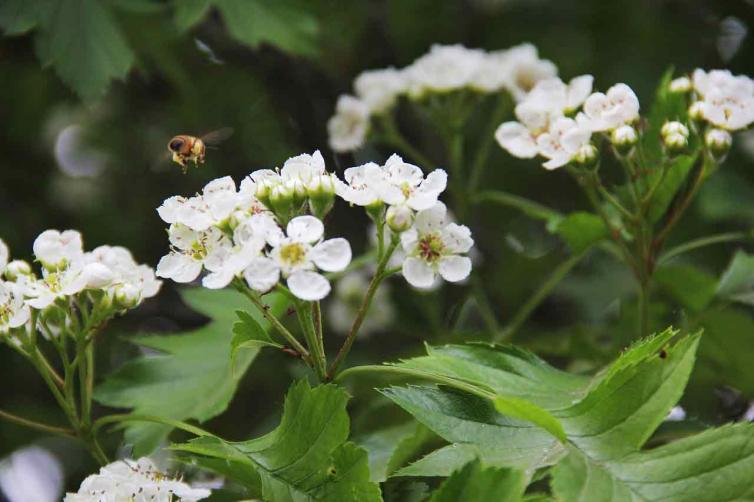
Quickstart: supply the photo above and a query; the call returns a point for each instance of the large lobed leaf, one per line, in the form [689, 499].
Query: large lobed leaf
[191, 377]
[475, 482]
[305, 458]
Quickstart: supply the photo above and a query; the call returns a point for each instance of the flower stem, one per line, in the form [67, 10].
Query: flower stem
[379, 275]
[530, 208]
[392, 136]
[703, 242]
[118, 418]
[25, 422]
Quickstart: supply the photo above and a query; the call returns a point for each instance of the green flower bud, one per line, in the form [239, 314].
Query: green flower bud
[586, 156]
[680, 85]
[674, 128]
[15, 269]
[624, 138]
[399, 218]
[718, 143]
[321, 191]
[675, 143]
[696, 111]
[281, 201]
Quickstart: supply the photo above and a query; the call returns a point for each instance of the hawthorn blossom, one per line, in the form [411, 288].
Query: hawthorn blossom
[55, 249]
[214, 206]
[190, 250]
[364, 185]
[435, 246]
[378, 89]
[525, 69]
[296, 257]
[444, 68]
[563, 140]
[348, 128]
[14, 312]
[134, 480]
[554, 94]
[727, 100]
[613, 109]
[134, 281]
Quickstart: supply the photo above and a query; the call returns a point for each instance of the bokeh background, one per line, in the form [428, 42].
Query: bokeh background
[79, 152]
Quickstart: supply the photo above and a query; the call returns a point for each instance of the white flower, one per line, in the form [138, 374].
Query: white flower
[444, 68]
[126, 480]
[55, 249]
[4, 254]
[378, 89]
[525, 69]
[13, 309]
[55, 284]
[190, 250]
[296, 257]
[728, 100]
[556, 95]
[493, 72]
[434, 247]
[348, 128]
[562, 141]
[218, 201]
[407, 185]
[138, 280]
[364, 185]
[346, 301]
[608, 111]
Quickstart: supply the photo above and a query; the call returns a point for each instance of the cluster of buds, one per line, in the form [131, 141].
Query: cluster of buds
[675, 137]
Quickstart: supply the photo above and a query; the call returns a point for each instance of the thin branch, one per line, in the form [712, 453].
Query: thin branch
[25, 422]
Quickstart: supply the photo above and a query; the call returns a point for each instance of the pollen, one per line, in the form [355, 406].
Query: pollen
[293, 254]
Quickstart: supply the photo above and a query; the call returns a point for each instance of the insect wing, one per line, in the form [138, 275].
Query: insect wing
[217, 137]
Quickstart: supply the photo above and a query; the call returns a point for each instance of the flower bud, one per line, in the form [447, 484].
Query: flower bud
[624, 138]
[674, 128]
[15, 269]
[680, 85]
[263, 191]
[696, 111]
[127, 296]
[675, 143]
[586, 156]
[321, 191]
[718, 143]
[97, 276]
[399, 218]
[281, 200]
[298, 190]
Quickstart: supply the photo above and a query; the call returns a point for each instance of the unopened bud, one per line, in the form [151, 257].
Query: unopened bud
[586, 156]
[718, 143]
[674, 128]
[16, 268]
[127, 296]
[399, 218]
[281, 200]
[624, 138]
[321, 191]
[696, 111]
[97, 275]
[263, 191]
[675, 143]
[680, 85]
[298, 190]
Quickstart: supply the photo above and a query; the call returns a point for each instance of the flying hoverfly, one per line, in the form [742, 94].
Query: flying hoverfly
[186, 148]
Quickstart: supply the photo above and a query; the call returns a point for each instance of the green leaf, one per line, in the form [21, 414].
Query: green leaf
[474, 482]
[187, 13]
[85, 46]
[249, 334]
[677, 172]
[306, 457]
[391, 448]
[687, 285]
[20, 16]
[188, 365]
[709, 467]
[286, 24]
[737, 282]
[608, 416]
[581, 230]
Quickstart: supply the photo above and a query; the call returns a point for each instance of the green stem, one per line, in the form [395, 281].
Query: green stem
[304, 314]
[392, 136]
[25, 422]
[677, 211]
[455, 152]
[379, 275]
[317, 318]
[118, 418]
[424, 375]
[529, 207]
[643, 299]
[483, 151]
[703, 242]
[533, 302]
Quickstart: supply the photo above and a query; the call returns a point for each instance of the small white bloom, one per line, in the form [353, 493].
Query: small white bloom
[296, 257]
[134, 480]
[191, 212]
[364, 185]
[444, 68]
[55, 249]
[562, 141]
[525, 69]
[556, 95]
[348, 128]
[728, 100]
[434, 247]
[4, 254]
[378, 89]
[126, 273]
[617, 107]
[55, 284]
[407, 185]
[13, 309]
[190, 250]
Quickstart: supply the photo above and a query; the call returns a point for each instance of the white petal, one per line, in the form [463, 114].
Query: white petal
[305, 229]
[455, 268]
[517, 139]
[409, 238]
[579, 89]
[418, 273]
[262, 274]
[217, 280]
[332, 255]
[556, 162]
[309, 286]
[457, 238]
[431, 220]
[178, 267]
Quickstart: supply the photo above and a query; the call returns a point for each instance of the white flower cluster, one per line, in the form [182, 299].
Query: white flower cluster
[240, 233]
[445, 68]
[137, 481]
[722, 99]
[552, 123]
[67, 271]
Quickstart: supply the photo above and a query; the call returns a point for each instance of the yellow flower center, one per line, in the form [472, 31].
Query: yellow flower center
[430, 247]
[293, 254]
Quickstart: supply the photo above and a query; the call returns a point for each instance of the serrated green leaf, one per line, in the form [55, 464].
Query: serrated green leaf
[187, 13]
[20, 16]
[284, 23]
[581, 230]
[609, 416]
[687, 285]
[712, 466]
[474, 482]
[189, 365]
[249, 334]
[737, 282]
[306, 457]
[391, 448]
[677, 172]
[85, 46]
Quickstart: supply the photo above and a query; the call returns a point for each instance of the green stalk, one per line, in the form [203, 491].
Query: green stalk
[119, 418]
[483, 151]
[703, 242]
[529, 207]
[392, 136]
[25, 422]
